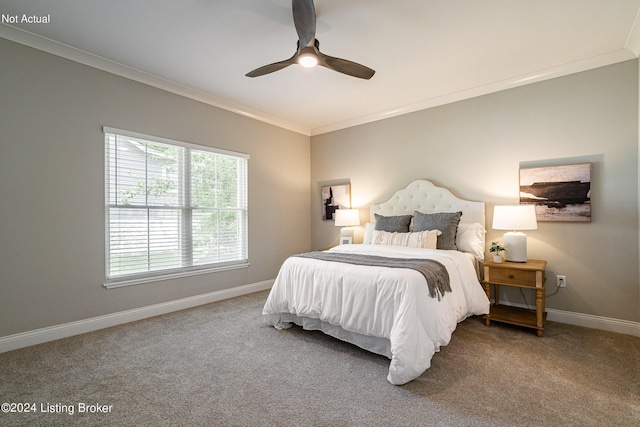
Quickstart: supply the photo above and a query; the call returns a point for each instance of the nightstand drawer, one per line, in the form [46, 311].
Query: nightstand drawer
[512, 276]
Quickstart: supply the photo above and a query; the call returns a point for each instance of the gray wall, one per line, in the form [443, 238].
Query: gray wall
[52, 244]
[475, 148]
[52, 180]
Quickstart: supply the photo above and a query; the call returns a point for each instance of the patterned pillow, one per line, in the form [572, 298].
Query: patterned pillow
[424, 239]
[447, 222]
[397, 224]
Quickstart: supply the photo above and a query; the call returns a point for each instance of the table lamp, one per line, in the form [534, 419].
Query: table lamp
[346, 218]
[515, 217]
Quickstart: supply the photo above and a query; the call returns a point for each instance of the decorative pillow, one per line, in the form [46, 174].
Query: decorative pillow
[470, 238]
[393, 224]
[447, 222]
[424, 239]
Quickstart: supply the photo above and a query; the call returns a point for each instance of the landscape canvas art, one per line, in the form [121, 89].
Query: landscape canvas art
[560, 193]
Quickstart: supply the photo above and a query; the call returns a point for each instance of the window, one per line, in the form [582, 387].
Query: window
[172, 208]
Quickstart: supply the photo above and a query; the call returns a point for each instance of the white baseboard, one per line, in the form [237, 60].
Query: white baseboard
[51, 333]
[39, 336]
[626, 327]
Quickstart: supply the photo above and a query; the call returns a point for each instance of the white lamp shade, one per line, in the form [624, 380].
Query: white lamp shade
[514, 217]
[347, 217]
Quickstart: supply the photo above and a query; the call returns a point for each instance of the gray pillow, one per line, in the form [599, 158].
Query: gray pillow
[447, 222]
[393, 224]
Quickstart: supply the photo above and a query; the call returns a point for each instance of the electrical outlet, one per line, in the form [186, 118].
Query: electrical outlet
[561, 281]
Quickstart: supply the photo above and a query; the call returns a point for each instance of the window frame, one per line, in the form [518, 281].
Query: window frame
[176, 272]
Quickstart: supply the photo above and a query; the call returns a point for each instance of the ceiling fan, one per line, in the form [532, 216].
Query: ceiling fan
[308, 51]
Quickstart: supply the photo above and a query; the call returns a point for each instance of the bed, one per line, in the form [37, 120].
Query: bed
[399, 312]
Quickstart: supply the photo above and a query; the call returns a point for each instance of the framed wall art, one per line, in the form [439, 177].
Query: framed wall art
[560, 193]
[335, 197]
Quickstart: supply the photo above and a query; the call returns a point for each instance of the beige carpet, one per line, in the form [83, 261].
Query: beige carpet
[220, 365]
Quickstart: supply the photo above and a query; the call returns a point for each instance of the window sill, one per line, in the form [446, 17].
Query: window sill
[112, 284]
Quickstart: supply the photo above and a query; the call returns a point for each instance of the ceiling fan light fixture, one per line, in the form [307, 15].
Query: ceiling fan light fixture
[308, 60]
[308, 48]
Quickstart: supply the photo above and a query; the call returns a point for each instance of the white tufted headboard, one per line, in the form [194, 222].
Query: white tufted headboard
[423, 196]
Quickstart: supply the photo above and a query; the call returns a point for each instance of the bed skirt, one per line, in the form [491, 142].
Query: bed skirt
[377, 345]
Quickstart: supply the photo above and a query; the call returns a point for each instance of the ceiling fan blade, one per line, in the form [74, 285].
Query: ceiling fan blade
[276, 66]
[345, 67]
[304, 18]
[308, 50]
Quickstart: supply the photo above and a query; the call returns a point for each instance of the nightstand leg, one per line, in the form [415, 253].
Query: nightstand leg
[539, 310]
[487, 290]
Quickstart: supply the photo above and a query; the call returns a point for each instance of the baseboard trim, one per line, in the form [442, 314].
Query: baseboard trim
[626, 327]
[52, 333]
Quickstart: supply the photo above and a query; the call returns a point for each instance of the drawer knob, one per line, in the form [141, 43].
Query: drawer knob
[511, 276]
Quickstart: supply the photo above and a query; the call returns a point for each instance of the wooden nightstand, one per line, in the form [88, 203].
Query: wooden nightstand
[528, 274]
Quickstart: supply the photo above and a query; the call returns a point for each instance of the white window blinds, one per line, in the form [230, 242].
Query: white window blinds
[172, 208]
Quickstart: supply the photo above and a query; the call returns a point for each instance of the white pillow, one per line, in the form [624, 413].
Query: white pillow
[368, 233]
[427, 239]
[470, 238]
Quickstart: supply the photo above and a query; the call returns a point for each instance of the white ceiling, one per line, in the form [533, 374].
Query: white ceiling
[425, 52]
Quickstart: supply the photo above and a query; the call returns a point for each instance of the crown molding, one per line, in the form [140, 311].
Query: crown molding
[59, 49]
[550, 73]
[68, 52]
[633, 41]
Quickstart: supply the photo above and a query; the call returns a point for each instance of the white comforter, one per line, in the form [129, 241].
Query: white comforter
[385, 310]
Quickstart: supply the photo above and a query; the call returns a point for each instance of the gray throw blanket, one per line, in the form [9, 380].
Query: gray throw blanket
[434, 272]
